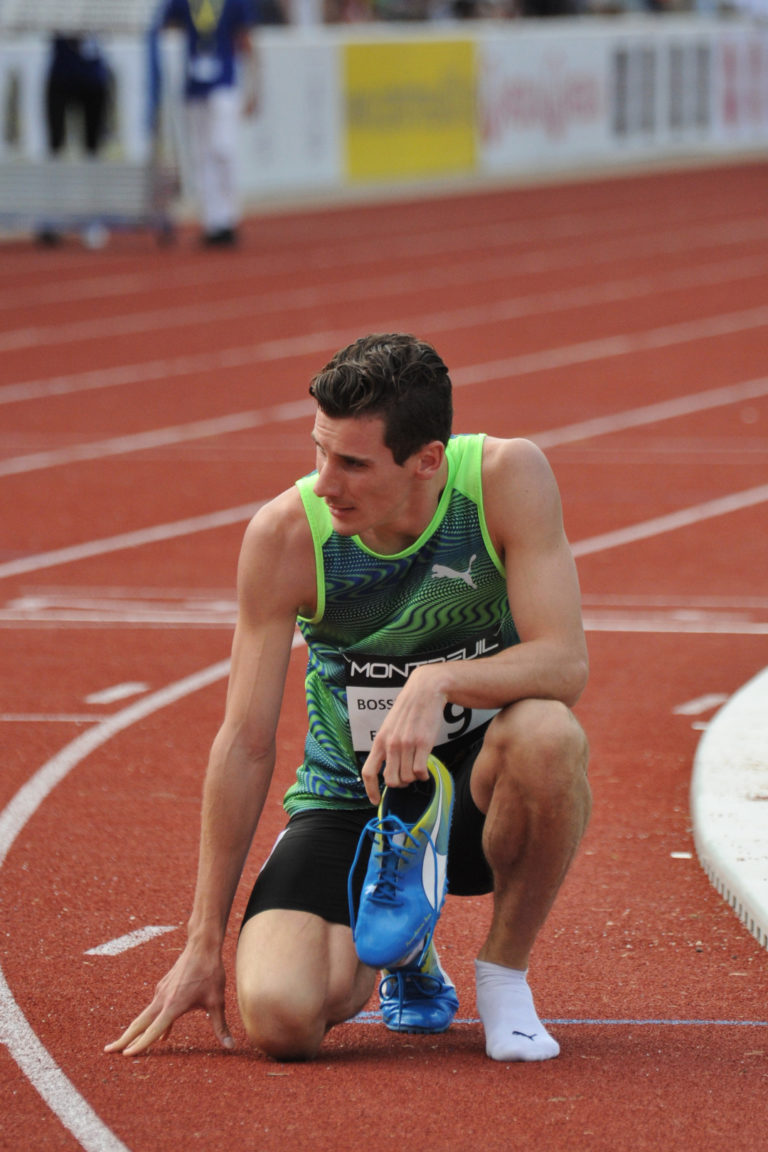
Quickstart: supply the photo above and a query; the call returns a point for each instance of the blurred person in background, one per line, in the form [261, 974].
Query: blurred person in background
[219, 85]
[79, 82]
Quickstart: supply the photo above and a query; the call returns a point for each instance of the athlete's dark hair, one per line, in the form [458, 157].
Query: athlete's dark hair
[395, 377]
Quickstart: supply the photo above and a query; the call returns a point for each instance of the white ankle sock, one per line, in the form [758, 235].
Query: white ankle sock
[513, 1031]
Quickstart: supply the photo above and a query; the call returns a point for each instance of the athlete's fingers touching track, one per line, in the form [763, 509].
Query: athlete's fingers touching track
[149, 1028]
[182, 990]
[145, 1030]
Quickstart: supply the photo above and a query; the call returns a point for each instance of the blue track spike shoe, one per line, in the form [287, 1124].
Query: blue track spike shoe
[418, 997]
[405, 881]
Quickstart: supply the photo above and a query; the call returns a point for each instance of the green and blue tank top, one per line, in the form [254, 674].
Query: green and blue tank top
[380, 616]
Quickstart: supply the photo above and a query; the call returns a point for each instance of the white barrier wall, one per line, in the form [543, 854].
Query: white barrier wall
[369, 105]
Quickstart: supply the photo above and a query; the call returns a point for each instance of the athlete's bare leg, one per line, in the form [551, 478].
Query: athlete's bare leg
[297, 976]
[531, 781]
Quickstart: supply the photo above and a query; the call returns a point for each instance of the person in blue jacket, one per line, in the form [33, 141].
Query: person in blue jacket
[219, 85]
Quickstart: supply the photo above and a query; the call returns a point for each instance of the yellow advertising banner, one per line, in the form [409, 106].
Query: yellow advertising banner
[410, 109]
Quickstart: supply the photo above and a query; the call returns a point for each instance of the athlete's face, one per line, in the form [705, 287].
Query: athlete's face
[367, 493]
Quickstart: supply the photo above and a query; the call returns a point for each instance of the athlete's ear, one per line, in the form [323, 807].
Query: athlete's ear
[429, 459]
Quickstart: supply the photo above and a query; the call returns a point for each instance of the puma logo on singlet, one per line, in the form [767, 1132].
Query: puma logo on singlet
[442, 570]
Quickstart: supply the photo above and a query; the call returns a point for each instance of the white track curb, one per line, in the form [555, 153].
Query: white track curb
[729, 803]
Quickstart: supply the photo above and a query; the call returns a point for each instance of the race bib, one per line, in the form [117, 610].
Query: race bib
[373, 684]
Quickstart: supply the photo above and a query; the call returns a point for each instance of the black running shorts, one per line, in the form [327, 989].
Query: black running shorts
[308, 868]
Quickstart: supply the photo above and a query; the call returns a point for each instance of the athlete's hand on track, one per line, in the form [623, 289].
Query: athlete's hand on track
[192, 983]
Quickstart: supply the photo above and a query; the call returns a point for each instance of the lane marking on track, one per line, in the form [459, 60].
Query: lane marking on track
[714, 615]
[16, 1033]
[682, 1023]
[675, 409]
[633, 417]
[684, 518]
[677, 232]
[728, 627]
[374, 1017]
[32, 794]
[44, 1074]
[34, 1060]
[736, 603]
[155, 438]
[49, 717]
[159, 533]
[117, 692]
[54, 610]
[547, 359]
[673, 237]
[700, 704]
[131, 940]
[479, 271]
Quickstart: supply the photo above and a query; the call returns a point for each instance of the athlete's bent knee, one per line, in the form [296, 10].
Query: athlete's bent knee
[541, 731]
[538, 747]
[281, 1030]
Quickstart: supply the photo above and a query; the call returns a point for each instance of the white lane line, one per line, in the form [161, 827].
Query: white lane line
[472, 375]
[142, 536]
[45, 1075]
[680, 233]
[623, 344]
[633, 417]
[700, 704]
[49, 717]
[31, 795]
[114, 618]
[131, 940]
[155, 438]
[117, 692]
[683, 518]
[593, 622]
[673, 409]
[148, 371]
[478, 271]
[56, 607]
[35, 1062]
[736, 603]
[678, 627]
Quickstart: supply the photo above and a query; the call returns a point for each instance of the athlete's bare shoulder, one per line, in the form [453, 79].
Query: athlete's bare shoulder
[511, 453]
[520, 493]
[516, 462]
[277, 560]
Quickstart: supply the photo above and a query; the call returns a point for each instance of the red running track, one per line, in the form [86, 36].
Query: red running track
[150, 399]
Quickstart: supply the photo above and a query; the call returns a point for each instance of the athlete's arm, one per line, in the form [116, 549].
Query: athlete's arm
[525, 521]
[275, 563]
[524, 517]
